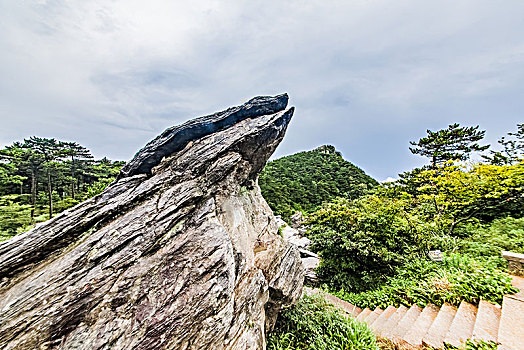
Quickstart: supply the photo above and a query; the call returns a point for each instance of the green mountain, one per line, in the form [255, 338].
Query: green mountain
[305, 180]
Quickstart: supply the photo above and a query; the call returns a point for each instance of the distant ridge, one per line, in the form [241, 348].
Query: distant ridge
[305, 180]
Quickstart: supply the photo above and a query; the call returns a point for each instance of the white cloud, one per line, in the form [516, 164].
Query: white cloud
[367, 76]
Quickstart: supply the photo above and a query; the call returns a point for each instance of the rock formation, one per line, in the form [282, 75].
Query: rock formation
[310, 260]
[180, 252]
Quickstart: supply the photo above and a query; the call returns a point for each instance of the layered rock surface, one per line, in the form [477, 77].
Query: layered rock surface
[181, 252]
[310, 260]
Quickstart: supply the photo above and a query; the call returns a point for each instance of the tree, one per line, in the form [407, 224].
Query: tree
[451, 195]
[50, 151]
[42, 175]
[8, 176]
[453, 143]
[303, 181]
[362, 241]
[76, 152]
[513, 148]
[27, 162]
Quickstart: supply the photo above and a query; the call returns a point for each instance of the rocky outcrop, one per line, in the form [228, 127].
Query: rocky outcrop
[310, 260]
[181, 252]
[292, 235]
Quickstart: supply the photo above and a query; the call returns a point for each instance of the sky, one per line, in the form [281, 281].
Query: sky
[365, 76]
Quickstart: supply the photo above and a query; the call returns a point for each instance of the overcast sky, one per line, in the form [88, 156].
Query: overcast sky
[365, 76]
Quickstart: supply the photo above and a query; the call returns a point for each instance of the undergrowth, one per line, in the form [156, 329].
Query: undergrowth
[314, 324]
[485, 242]
[453, 280]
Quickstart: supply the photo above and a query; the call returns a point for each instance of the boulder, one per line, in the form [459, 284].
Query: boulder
[297, 220]
[180, 252]
[310, 263]
[292, 235]
[310, 260]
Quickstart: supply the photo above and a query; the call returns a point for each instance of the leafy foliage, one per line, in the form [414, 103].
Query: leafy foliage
[513, 148]
[40, 177]
[480, 345]
[485, 242]
[363, 241]
[453, 143]
[14, 214]
[315, 324]
[303, 181]
[453, 195]
[376, 244]
[453, 280]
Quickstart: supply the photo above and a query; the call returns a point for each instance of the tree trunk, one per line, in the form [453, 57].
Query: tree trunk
[33, 187]
[33, 194]
[50, 194]
[73, 177]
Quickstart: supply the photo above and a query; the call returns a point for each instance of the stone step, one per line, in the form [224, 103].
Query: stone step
[511, 328]
[373, 316]
[341, 304]
[438, 330]
[387, 330]
[356, 311]
[344, 305]
[382, 319]
[487, 324]
[518, 282]
[405, 323]
[462, 326]
[422, 324]
[363, 314]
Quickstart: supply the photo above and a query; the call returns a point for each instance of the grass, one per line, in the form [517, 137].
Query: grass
[314, 324]
[457, 278]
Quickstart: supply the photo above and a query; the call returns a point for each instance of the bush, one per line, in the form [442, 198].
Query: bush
[487, 241]
[98, 187]
[364, 241]
[13, 215]
[315, 324]
[453, 280]
[480, 345]
[65, 204]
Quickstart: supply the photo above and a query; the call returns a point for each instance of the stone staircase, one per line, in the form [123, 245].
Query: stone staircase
[416, 327]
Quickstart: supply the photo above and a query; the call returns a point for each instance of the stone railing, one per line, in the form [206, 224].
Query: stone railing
[515, 262]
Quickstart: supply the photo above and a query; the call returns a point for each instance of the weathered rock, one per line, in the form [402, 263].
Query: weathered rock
[310, 264]
[181, 252]
[297, 220]
[310, 260]
[292, 235]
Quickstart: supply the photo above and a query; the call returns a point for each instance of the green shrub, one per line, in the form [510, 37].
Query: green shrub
[13, 215]
[65, 204]
[480, 345]
[98, 187]
[421, 282]
[317, 325]
[364, 241]
[472, 345]
[487, 241]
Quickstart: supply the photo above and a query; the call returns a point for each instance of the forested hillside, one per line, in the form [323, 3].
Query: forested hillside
[40, 177]
[305, 180]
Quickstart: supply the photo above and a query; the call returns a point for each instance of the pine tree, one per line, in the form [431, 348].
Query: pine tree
[50, 151]
[76, 152]
[453, 143]
[513, 148]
